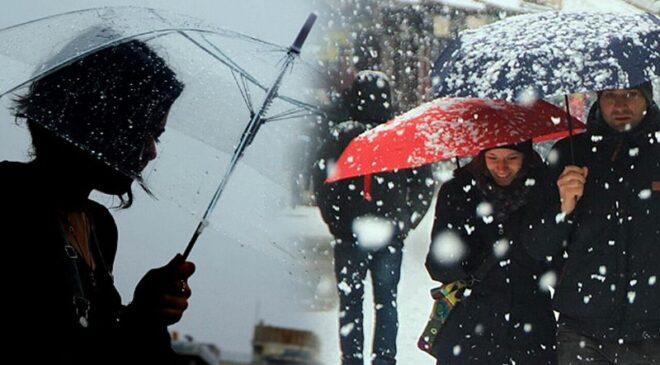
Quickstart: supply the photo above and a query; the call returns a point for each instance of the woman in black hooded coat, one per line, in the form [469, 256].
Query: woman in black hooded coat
[94, 125]
[506, 316]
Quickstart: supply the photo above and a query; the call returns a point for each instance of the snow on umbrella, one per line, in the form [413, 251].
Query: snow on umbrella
[446, 128]
[550, 53]
[230, 79]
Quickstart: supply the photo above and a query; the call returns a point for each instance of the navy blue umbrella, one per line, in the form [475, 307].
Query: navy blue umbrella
[550, 53]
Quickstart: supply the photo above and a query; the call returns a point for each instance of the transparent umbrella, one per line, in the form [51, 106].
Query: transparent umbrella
[234, 84]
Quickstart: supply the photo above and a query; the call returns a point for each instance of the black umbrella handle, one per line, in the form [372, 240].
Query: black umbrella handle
[570, 129]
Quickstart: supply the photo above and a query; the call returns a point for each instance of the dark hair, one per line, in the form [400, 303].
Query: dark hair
[105, 103]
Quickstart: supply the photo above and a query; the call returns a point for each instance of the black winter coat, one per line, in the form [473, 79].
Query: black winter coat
[507, 315]
[608, 288]
[41, 290]
[402, 197]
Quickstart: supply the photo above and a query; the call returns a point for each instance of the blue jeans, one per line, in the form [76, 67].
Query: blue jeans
[574, 348]
[351, 266]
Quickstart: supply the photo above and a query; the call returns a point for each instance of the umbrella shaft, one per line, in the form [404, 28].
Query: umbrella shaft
[200, 227]
[246, 138]
[570, 129]
[248, 135]
[251, 129]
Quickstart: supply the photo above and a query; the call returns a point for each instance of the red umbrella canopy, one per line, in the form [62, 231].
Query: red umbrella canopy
[446, 128]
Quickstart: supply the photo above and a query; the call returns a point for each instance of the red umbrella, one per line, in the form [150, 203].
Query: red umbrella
[446, 128]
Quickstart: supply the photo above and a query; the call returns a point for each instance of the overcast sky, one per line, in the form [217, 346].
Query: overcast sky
[235, 285]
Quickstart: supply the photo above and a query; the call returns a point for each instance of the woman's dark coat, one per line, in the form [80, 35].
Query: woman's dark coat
[506, 315]
[43, 326]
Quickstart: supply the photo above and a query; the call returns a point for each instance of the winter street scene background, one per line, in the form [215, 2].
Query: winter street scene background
[265, 289]
[403, 39]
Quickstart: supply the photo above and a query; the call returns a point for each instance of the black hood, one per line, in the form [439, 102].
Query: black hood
[371, 98]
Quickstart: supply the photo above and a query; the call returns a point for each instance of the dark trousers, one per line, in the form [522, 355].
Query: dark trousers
[351, 266]
[574, 348]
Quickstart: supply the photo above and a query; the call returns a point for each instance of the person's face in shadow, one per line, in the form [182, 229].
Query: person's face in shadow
[108, 180]
[149, 152]
[622, 109]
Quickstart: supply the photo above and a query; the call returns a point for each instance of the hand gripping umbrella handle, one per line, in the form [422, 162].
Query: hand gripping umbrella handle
[251, 129]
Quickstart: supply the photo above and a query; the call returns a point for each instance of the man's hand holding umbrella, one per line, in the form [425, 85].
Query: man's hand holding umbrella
[571, 186]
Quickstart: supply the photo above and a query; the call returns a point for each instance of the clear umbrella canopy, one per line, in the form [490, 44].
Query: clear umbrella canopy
[226, 77]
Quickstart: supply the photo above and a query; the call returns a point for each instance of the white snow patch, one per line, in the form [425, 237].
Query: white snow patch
[345, 288]
[501, 247]
[484, 209]
[347, 329]
[560, 217]
[448, 248]
[372, 232]
[553, 157]
[644, 194]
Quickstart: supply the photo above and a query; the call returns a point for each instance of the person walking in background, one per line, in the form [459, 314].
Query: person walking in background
[370, 218]
[94, 126]
[507, 317]
[602, 211]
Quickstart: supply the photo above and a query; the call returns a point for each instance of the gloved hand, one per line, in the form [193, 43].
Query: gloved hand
[162, 294]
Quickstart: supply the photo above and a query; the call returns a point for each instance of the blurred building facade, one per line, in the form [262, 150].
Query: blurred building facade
[271, 345]
[403, 38]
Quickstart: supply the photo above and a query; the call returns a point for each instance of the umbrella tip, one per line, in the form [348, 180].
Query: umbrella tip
[302, 35]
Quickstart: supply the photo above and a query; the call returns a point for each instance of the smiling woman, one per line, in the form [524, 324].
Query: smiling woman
[94, 124]
[506, 317]
[504, 163]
